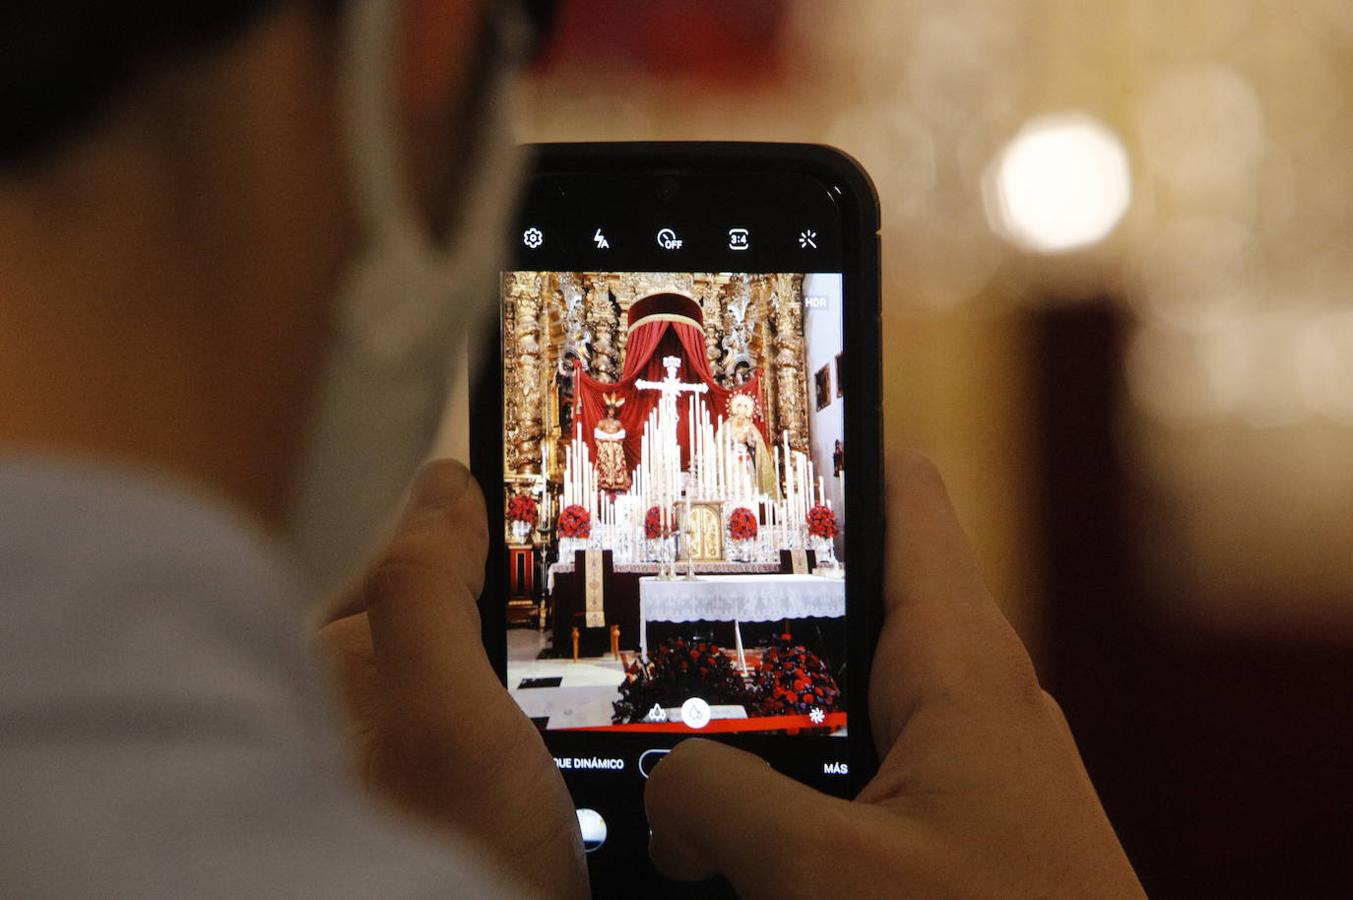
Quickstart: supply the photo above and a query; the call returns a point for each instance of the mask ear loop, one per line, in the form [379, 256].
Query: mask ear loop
[390, 226]
[401, 317]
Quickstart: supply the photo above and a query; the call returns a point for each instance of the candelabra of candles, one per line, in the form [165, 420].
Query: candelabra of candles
[717, 471]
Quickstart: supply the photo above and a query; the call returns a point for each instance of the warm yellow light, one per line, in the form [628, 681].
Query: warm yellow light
[1325, 361]
[1062, 183]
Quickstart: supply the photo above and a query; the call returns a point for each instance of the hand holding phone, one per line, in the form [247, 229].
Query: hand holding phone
[981, 791]
[688, 347]
[430, 726]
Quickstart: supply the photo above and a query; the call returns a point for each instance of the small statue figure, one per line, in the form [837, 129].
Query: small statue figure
[748, 448]
[613, 473]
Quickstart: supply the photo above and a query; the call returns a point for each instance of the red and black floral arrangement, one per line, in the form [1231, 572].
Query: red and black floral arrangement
[821, 522]
[522, 508]
[793, 680]
[653, 523]
[790, 680]
[742, 524]
[675, 671]
[575, 522]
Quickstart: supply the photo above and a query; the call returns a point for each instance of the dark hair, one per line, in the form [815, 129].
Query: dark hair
[62, 62]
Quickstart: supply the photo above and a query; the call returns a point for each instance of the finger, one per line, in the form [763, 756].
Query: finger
[714, 810]
[452, 741]
[942, 632]
[421, 598]
[346, 645]
[351, 598]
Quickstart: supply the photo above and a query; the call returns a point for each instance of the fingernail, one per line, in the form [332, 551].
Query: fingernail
[439, 483]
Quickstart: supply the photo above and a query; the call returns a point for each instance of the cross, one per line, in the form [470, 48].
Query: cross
[670, 386]
[666, 450]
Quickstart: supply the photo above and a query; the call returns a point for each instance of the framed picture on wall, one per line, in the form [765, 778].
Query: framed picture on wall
[838, 373]
[822, 381]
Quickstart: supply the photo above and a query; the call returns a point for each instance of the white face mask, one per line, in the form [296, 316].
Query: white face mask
[405, 307]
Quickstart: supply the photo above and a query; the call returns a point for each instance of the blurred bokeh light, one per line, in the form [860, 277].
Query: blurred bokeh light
[1118, 267]
[1062, 183]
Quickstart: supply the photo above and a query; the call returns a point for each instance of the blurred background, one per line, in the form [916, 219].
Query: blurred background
[1118, 291]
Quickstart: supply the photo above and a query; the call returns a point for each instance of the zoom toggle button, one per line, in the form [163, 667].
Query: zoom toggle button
[650, 758]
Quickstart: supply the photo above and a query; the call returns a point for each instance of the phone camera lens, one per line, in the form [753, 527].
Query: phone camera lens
[668, 190]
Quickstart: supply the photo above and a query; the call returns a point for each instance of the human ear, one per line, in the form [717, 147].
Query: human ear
[435, 41]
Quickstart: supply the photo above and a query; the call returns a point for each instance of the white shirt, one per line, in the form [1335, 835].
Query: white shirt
[163, 732]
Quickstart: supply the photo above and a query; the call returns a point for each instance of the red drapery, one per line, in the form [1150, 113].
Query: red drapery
[648, 344]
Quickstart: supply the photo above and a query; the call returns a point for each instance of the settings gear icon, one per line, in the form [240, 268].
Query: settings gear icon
[816, 716]
[532, 238]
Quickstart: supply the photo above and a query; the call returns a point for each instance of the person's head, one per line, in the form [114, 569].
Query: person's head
[742, 405]
[185, 188]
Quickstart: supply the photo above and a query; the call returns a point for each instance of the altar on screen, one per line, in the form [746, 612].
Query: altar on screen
[674, 479]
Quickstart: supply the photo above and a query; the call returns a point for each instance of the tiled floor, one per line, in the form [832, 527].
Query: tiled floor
[585, 691]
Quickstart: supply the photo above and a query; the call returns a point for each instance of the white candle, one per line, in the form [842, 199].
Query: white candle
[723, 463]
[710, 478]
[568, 480]
[704, 451]
[720, 465]
[807, 479]
[690, 427]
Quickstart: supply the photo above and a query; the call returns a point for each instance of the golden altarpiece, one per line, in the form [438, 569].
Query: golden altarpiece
[551, 320]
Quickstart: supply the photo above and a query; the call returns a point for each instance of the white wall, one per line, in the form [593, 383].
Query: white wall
[822, 330]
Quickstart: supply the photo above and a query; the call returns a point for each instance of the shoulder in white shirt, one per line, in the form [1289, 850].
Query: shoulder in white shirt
[163, 732]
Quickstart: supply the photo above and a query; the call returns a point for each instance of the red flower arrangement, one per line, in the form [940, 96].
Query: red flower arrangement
[792, 680]
[522, 508]
[675, 671]
[742, 524]
[575, 522]
[653, 523]
[821, 522]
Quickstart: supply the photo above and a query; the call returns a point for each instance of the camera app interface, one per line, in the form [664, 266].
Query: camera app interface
[674, 476]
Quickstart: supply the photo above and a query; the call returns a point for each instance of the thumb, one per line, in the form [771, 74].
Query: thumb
[421, 596]
[717, 810]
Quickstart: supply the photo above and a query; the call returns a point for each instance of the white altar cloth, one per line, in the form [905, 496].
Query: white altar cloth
[702, 567]
[738, 598]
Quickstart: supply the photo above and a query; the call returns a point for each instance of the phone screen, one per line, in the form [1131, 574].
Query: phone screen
[688, 434]
[673, 410]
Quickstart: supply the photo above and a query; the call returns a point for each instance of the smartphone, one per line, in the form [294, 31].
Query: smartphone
[678, 430]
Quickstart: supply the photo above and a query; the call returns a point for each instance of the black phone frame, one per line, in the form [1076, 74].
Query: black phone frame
[861, 374]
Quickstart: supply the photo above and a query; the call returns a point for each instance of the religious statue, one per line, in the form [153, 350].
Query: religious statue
[740, 434]
[612, 472]
[564, 391]
[838, 459]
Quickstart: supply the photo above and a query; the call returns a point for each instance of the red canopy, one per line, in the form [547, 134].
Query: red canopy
[659, 326]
